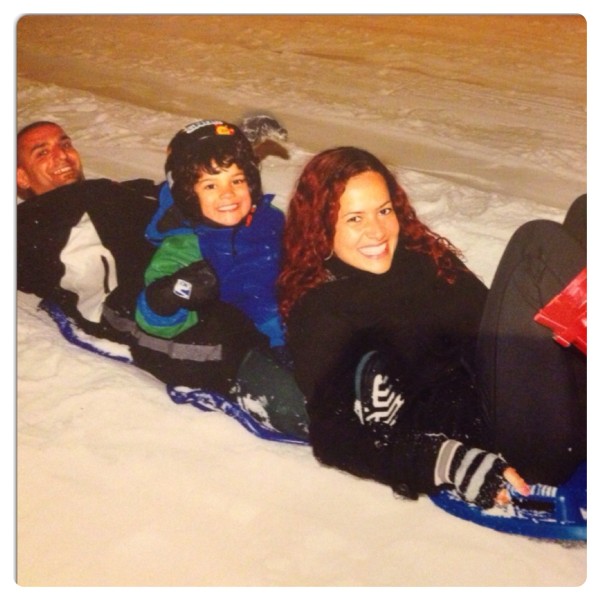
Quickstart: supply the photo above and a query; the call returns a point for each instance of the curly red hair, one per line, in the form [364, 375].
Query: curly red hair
[312, 216]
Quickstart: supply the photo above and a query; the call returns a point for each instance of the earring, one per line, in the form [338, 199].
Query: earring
[329, 256]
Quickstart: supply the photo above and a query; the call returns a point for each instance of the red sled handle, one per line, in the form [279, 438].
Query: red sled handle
[566, 314]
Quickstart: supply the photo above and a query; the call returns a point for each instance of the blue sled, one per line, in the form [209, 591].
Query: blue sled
[205, 400]
[552, 513]
[209, 401]
[548, 512]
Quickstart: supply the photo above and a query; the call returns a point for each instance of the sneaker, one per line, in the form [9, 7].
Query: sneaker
[376, 399]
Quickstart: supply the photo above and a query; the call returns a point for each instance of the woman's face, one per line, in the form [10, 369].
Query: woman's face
[224, 197]
[366, 231]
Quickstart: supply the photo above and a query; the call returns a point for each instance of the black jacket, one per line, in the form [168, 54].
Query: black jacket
[425, 328]
[83, 247]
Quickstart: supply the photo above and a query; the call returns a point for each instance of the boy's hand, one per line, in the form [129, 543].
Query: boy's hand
[190, 287]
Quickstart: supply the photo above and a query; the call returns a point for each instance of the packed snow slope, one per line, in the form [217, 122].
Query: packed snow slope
[483, 118]
[498, 102]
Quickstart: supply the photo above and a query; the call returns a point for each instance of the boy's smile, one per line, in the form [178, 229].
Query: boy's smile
[224, 197]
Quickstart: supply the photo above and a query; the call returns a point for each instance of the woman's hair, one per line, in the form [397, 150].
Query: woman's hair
[312, 216]
[208, 146]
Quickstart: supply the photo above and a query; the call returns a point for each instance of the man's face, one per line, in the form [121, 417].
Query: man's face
[46, 159]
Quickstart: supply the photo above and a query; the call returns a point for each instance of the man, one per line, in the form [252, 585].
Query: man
[80, 243]
[46, 159]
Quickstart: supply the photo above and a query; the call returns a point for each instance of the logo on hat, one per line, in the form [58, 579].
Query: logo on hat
[199, 124]
[224, 130]
[220, 127]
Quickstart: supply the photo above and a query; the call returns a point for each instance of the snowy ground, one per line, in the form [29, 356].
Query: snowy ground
[484, 120]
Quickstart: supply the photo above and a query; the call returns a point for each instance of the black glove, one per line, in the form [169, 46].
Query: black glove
[188, 288]
[476, 475]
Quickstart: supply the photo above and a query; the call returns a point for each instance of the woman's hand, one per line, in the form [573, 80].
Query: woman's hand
[477, 475]
[512, 477]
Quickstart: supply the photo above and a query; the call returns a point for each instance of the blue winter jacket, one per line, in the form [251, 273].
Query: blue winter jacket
[246, 259]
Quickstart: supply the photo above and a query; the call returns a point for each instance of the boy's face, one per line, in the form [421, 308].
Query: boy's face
[224, 197]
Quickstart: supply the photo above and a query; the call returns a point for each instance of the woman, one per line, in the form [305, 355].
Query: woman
[387, 328]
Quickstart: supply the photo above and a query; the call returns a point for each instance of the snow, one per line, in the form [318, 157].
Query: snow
[484, 120]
